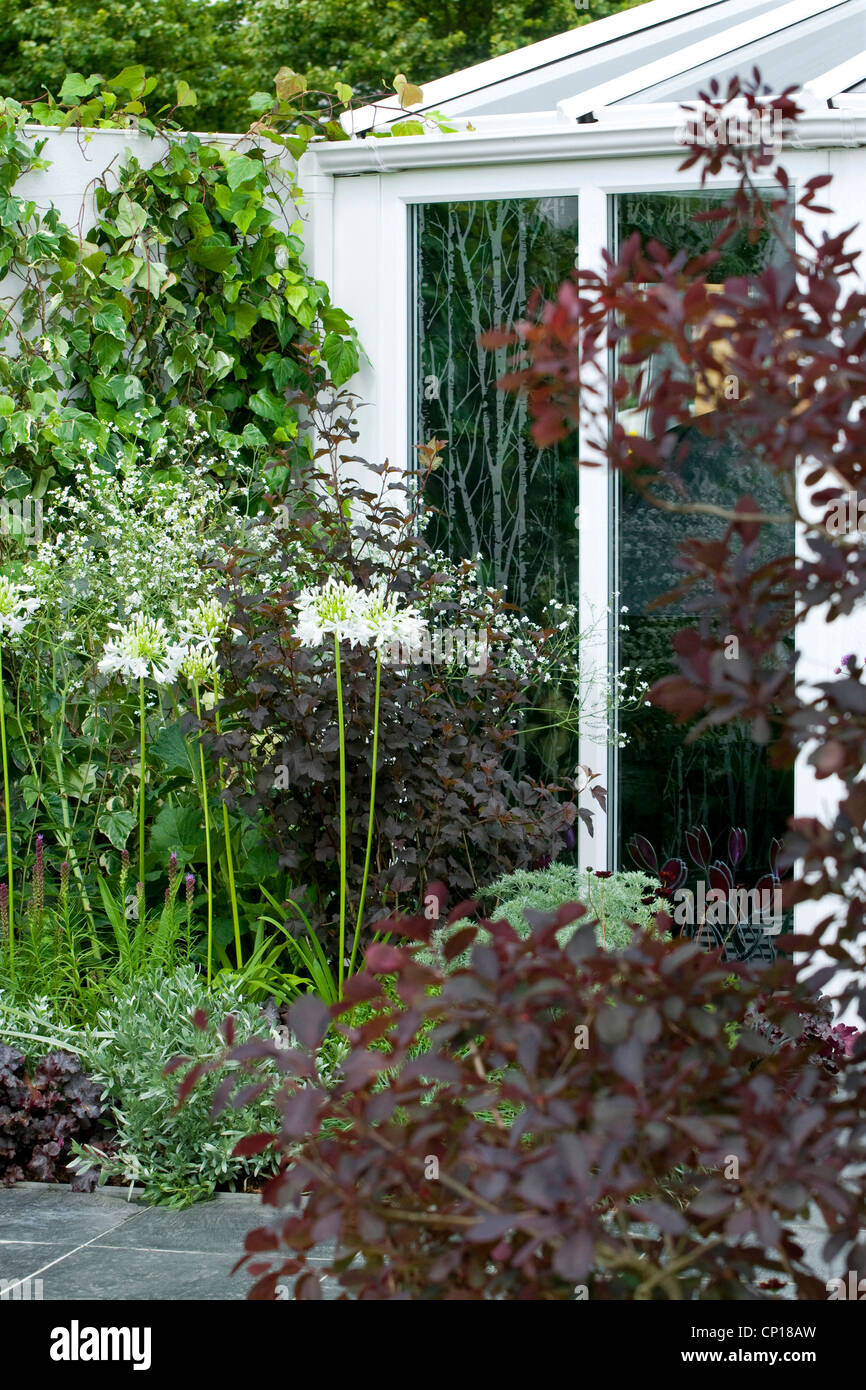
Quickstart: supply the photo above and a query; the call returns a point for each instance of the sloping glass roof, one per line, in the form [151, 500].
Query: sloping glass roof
[792, 56]
[663, 51]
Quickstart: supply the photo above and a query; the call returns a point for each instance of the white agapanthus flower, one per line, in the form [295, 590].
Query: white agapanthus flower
[143, 649]
[199, 664]
[204, 625]
[15, 607]
[334, 609]
[390, 627]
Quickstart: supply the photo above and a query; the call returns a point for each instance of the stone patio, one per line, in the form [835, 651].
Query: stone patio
[102, 1246]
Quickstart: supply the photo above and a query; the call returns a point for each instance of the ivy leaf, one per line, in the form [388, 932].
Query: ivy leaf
[240, 169]
[110, 320]
[341, 356]
[270, 406]
[130, 79]
[289, 84]
[245, 316]
[185, 94]
[117, 826]
[75, 86]
[260, 102]
[123, 388]
[214, 257]
[131, 217]
[409, 94]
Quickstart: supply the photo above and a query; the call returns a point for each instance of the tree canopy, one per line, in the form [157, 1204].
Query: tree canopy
[228, 49]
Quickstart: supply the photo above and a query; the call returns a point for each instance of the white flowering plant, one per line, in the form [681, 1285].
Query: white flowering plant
[429, 753]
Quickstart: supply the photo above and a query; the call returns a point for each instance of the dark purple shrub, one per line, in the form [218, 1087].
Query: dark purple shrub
[40, 1112]
[548, 1119]
[451, 801]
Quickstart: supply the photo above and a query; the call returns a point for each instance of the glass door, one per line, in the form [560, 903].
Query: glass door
[716, 801]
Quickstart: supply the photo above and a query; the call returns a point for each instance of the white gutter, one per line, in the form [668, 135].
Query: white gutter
[823, 129]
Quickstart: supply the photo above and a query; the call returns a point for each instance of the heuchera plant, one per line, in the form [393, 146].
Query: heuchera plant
[553, 1123]
[40, 1112]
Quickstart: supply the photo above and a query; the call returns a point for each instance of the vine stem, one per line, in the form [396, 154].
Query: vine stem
[343, 865]
[6, 807]
[372, 809]
[230, 863]
[206, 838]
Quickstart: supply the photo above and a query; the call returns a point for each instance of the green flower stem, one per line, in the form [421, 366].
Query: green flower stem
[68, 837]
[228, 839]
[206, 838]
[9, 874]
[372, 809]
[142, 735]
[343, 863]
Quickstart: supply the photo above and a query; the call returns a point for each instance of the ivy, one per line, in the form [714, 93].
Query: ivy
[188, 301]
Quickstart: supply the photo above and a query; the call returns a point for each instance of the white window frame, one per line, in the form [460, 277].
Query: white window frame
[360, 235]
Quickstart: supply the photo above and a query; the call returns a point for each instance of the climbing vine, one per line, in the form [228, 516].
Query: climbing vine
[186, 303]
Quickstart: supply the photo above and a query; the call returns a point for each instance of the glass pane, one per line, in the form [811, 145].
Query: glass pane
[496, 495]
[666, 786]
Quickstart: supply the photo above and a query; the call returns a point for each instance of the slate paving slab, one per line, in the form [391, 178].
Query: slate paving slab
[101, 1246]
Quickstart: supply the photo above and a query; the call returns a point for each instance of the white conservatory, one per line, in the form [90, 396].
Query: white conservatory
[558, 151]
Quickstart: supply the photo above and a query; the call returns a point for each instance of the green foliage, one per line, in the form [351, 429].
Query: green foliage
[187, 305]
[62, 954]
[617, 902]
[227, 49]
[148, 385]
[179, 1156]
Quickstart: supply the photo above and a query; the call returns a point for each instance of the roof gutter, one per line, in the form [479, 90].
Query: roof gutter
[827, 129]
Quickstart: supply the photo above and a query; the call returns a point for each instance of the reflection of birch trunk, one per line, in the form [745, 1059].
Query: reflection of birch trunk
[477, 264]
[473, 286]
[497, 460]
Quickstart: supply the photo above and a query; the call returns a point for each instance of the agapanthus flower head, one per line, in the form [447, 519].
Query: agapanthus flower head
[143, 649]
[205, 624]
[15, 607]
[389, 626]
[199, 663]
[334, 609]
